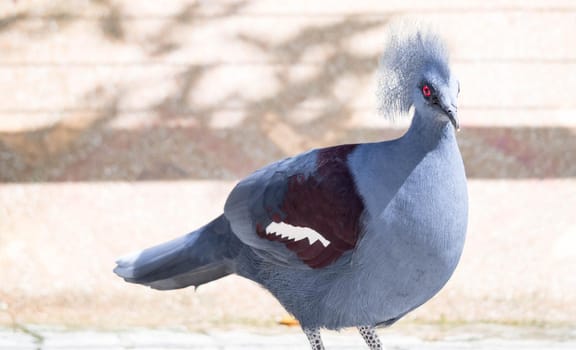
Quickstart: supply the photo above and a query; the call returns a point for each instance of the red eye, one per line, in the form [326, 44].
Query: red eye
[426, 91]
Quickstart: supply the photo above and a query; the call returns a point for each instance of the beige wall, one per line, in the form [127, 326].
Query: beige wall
[141, 90]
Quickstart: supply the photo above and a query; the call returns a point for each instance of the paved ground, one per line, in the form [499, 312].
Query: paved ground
[473, 338]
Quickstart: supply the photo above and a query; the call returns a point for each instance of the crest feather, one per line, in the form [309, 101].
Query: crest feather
[406, 57]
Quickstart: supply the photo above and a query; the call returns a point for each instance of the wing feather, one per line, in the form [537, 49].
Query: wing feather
[315, 191]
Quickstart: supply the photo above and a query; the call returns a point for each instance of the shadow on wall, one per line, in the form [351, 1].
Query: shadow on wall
[182, 142]
[202, 153]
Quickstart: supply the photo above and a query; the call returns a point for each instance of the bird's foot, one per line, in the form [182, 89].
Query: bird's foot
[314, 338]
[370, 337]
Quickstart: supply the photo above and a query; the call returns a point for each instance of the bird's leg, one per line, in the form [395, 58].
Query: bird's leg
[370, 337]
[314, 338]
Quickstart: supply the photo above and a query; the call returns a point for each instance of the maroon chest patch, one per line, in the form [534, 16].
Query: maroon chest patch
[320, 212]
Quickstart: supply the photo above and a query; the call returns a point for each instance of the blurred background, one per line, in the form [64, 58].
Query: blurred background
[125, 123]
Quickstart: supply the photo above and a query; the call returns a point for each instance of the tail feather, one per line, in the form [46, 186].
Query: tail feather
[196, 277]
[194, 259]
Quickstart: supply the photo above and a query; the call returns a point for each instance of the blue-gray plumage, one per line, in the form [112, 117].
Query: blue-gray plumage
[347, 236]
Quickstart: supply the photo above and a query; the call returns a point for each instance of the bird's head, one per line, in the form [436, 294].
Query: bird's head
[414, 72]
[436, 94]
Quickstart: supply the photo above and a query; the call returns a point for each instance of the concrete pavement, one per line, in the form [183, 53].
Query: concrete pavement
[475, 338]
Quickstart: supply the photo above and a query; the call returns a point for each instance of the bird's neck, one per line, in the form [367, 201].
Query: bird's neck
[428, 131]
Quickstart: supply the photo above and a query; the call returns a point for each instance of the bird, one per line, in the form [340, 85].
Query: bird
[352, 235]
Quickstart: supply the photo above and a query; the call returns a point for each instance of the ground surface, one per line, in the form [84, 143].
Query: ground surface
[478, 337]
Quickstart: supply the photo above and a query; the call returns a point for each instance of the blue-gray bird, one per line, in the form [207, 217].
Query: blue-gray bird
[347, 236]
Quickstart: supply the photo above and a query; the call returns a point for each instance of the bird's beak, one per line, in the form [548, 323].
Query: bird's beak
[453, 116]
[452, 113]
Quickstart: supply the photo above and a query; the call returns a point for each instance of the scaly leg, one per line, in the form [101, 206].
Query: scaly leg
[314, 338]
[370, 337]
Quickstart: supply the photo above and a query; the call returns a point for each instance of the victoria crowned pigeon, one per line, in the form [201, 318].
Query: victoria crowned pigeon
[354, 235]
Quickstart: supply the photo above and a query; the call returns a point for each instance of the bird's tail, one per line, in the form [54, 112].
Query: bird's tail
[194, 259]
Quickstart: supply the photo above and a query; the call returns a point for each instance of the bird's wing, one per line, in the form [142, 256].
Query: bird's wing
[301, 211]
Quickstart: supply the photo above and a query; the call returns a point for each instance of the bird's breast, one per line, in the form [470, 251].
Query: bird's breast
[414, 231]
[426, 218]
